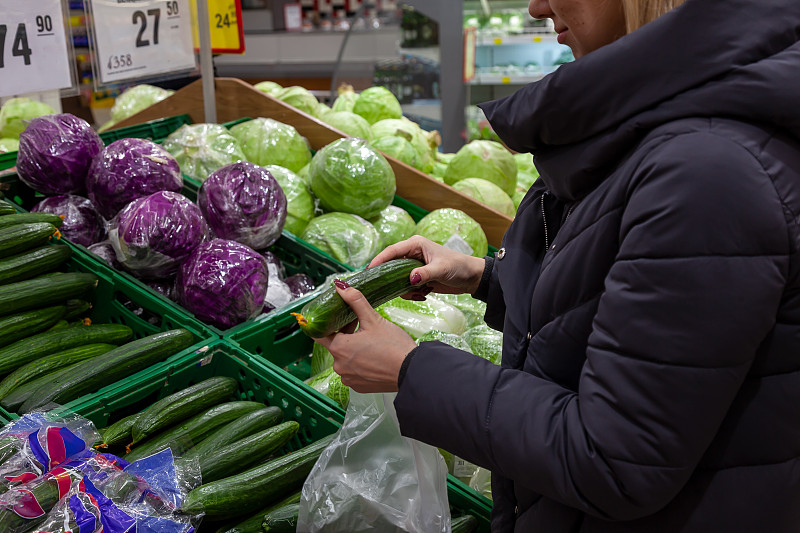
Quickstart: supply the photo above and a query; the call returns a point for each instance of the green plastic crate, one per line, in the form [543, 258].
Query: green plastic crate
[155, 130]
[115, 301]
[258, 381]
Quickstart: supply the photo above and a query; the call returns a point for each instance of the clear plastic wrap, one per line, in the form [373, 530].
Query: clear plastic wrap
[135, 99]
[485, 342]
[278, 292]
[106, 252]
[394, 224]
[482, 482]
[454, 229]
[8, 145]
[300, 284]
[321, 359]
[299, 202]
[472, 308]
[418, 318]
[128, 169]
[274, 263]
[15, 114]
[153, 235]
[243, 202]
[371, 478]
[448, 338]
[347, 238]
[164, 287]
[82, 222]
[350, 176]
[330, 384]
[203, 148]
[55, 152]
[223, 283]
[266, 141]
[488, 160]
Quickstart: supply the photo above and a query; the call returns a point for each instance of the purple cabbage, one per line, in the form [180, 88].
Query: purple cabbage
[82, 223]
[244, 203]
[106, 252]
[128, 169]
[55, 152]
[300, 284]
[153, 235]
[164, 287]
[274, 263]
[223, 283]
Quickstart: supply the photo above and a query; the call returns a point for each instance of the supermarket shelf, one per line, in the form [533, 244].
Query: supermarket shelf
[500, 79]
[431, 53]
[522, 38]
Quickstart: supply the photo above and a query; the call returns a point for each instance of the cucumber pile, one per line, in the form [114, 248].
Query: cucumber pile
[49, 351]
[237, 444]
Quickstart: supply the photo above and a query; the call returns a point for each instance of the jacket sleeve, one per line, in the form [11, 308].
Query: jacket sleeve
[694, 290]
[491, 292]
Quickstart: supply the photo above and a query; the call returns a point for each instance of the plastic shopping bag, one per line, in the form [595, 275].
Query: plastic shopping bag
[371, 478]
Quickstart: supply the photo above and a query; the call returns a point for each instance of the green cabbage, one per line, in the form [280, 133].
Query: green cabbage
[266, 141]
[322, 110]
[269, 87]
[394, 224]
[425, 144]
[485, 342]
[377, 103]
[303, 173]
[9, 145]
[330, 384]
[472, 308]
[454, 229]
[487, 193]
[488, 160]
[517, 198]
[346, 99]
[135, 99]
[349, 176]
[17, 112]
[419, 318]
[350, 123]
[448, 338]
[399, 148]
[346, 237]
[300, 98]
[321, 359]
[299, 202]
[203, 148]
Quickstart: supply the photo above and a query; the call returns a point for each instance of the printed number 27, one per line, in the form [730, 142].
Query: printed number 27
[140, 18]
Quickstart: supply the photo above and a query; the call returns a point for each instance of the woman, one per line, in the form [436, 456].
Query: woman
[648, 289]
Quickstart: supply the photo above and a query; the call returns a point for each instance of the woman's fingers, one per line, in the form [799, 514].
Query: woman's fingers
[408, 248]
[365, 314]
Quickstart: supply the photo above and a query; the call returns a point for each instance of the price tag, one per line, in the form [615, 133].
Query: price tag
[34, 55]
[537, 39]
[498, 40]
[141, 38]
[505, 80]
[227, 30]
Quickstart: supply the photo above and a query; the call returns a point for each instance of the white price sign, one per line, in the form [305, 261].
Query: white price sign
[33, 47]
[142, 38]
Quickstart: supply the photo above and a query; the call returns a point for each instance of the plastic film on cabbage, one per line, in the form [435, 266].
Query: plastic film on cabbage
[82, 223]
[203, 148]
[347, 238]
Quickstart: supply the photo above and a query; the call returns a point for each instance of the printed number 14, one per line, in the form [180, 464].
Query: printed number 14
[18, 48]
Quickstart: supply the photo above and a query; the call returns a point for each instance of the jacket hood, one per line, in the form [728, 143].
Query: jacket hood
[737, 59]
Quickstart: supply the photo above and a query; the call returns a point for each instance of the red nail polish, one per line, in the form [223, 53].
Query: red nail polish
[341, 284]
[416, 279]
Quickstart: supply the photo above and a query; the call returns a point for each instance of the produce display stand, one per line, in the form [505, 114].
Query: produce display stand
[236, 99]
[115, 301]
[258, 381]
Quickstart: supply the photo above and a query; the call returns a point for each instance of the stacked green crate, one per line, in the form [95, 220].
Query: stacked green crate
[115, 301]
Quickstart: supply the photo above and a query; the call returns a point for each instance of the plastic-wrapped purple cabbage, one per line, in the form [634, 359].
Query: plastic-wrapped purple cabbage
[82, 223]
[128, 169]
[244, 203]
[153, 235]
[55, 152]
[106, 252]
[164, 287]
[274, 263]
[223, 283]
[300, 284]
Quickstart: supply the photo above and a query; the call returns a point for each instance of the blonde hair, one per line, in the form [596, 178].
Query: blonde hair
[640, 12]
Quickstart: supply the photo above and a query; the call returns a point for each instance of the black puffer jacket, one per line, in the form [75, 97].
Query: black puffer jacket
[649, 290]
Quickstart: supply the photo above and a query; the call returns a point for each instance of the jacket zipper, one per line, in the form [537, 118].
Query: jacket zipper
[544, 221]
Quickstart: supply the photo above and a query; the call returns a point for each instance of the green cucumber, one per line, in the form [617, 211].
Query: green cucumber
[110, 367]
[237, 457]
[76, 309]
[44, 291]
[464, 524]
[283, 520]
[245, 493]
[238, 429]
[20, 395]
[26, 350]
[61, 324]
[328, 313]
[30, 264]
[119, 433]
[6, 208]
[9, 446]
[194, 430]
[28, 323]
[22, 237]
[51, 363]
[46, 492]
[253, 524]
[31, 218]
[177, 407]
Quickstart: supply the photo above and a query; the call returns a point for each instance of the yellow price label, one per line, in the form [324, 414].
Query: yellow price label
[498, 40]
[225, 21]
[506, 80]
[537, 39]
